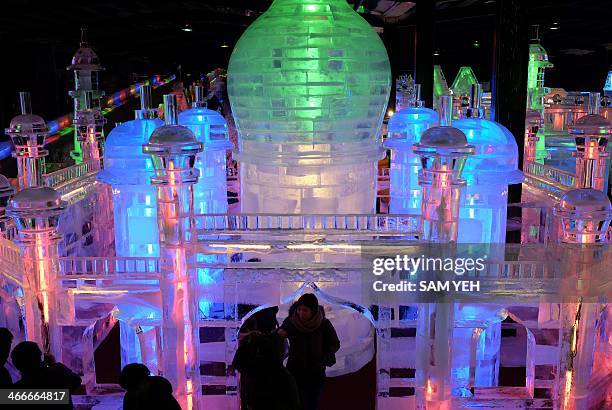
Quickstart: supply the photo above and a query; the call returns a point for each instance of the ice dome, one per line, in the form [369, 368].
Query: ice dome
[311, 72]
[124, 161]
[495, 158]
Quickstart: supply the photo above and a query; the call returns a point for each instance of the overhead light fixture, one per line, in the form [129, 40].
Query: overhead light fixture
[224, 45]
[187, 28]
[554, 28]
[436, 53]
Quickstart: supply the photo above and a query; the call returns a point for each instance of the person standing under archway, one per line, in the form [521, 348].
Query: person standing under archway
[313, 344]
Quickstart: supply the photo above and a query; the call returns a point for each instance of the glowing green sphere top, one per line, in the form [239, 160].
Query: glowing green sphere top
[309, 72]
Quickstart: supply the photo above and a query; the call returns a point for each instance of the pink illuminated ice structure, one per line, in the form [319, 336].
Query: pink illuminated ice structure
[28, 132]
[443, 151]
[6, 193]
[174, 149]
[592, 133]
[584, 216]
[89, 125]
[404, 130]
[36, 213]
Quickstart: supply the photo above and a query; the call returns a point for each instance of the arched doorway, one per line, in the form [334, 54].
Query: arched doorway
[351, 382]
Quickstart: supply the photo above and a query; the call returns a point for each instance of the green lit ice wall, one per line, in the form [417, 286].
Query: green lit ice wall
[309, 72]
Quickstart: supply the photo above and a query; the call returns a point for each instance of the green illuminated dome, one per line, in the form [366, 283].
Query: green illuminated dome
[309, 72]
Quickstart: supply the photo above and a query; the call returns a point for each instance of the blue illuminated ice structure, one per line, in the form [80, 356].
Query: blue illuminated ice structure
[129, 172]
[405, 129]
[494, 166]
[210, 128]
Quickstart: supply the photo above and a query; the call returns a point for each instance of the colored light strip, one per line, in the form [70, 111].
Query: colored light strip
[62, 126]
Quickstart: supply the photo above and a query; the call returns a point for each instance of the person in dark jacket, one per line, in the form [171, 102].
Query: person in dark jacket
[313, 343]
[265, 384]
[144, 391]
[6, 339]
[39, 374]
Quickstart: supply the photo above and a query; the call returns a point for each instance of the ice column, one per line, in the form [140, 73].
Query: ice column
[538, 62]
[488, 173]
[89, 125]
[128, 170]
[6, 193]
[174, 149]
[86, 68]
[405, 129]
[592, 133]
[584, 215]
[309, 82]
[28, 132]
[36, 213]
[443, 151]
[210, 128]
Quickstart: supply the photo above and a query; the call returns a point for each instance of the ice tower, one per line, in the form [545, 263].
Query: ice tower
[86, 67]
[405, 129]
[173, 149]
[210, 128]
[488, 173]
[592, 133]
[443, 151]
[128, 170]
[28, 133]
[89, 126]
[538, 62]
[308, 83]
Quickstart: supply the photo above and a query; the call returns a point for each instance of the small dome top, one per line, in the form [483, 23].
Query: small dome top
[85, 58]
[6, 189]
[27, 123]
[444, 137]
[585, 202]
[88, 116]
[36, 200]
[591, 124]
[172, 135]
[533, 117]
[172, 139]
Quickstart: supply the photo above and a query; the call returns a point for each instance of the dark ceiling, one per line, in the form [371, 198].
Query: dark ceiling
[145, 37]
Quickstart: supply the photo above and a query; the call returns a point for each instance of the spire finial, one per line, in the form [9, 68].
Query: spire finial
[83, 36]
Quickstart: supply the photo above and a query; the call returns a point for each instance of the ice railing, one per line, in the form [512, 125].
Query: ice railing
[84, 268]
[365, 224]
[64, 175]
[559, 179]
[11, 265]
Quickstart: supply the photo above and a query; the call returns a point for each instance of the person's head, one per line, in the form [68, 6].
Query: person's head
[133, 375]
[26, 357]
[6, 339]
[307, 306]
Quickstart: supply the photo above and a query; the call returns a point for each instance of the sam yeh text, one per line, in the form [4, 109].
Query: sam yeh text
[428, 286]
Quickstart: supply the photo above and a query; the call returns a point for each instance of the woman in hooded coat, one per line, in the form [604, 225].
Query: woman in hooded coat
[313, 343]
